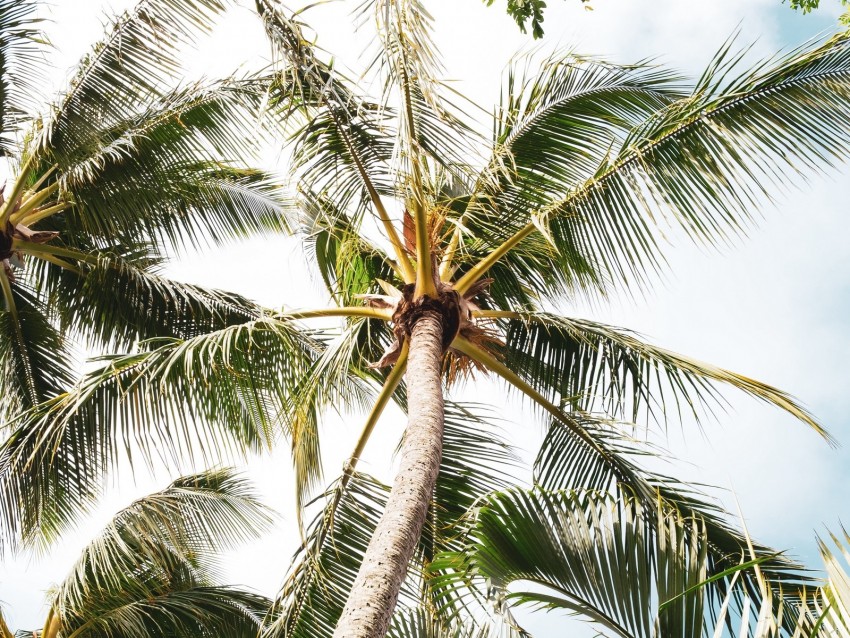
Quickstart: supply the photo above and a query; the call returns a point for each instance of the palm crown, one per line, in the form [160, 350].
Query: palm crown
[586, 160]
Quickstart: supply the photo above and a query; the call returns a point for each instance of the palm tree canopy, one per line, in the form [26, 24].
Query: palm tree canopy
[587, 163]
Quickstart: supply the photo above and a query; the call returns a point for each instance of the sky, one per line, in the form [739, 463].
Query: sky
[772, 306]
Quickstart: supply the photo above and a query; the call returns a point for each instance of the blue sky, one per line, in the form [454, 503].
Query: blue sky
[773, 306]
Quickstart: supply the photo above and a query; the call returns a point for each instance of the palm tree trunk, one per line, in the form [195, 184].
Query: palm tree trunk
[373, 597]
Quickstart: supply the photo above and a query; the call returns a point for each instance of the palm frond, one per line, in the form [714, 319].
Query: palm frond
[567, 460]
[594, 366]
[167, 173]
[188, 202]
[833, 604]
[589, 453]
[427, 132]
[432, 127]
[343, 149]
[336, 120]
[706, 161]
[199, 119]
[127, 69]
[613, 561]
[347, 262]
[21, 67]
[191, 612]
[35, 361]
[172, 536]
[218, 393]
[703, 163]
[557, 121]
[117, 300]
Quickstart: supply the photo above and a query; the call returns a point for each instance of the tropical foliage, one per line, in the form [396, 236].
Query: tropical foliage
[412, 215]
[152, 570]
[633, 572]
[129, 162]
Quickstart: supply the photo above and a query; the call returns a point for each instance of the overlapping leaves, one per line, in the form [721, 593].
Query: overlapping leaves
[151, 571]
[217, 393]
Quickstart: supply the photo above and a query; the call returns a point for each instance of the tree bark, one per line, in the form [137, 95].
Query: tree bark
[372, 599]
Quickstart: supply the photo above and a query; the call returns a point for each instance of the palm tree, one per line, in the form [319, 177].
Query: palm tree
[442, 267]
[128, 163]
[151, 570]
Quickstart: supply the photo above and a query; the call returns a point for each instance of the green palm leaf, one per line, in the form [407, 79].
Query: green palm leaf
[566, 461]
[123, 72]
[613, 562]
[167, 173]
[347, 262]
[21, 66]
[123, 167]
[34, 356]
[213, 394]
[702, 163]
[150, 571]
[341, 146]
[557, 121]
[598, 367]
[150, 305]
[177, 532]
[206, 612]
[432, 129]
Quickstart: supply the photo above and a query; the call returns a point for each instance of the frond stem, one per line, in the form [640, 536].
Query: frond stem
[476, 272]
[5, 632]
[393, 379]
[43, 213]
[449, 255]
[44, 177]
[32, 248]
[346, 311]
[6, 286]
[33, 202]
[52, 625]
[424, 277]
[56, 260]
[407, 271]
[17, 189]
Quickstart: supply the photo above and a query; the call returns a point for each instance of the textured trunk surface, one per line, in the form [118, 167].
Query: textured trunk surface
[373, 597]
